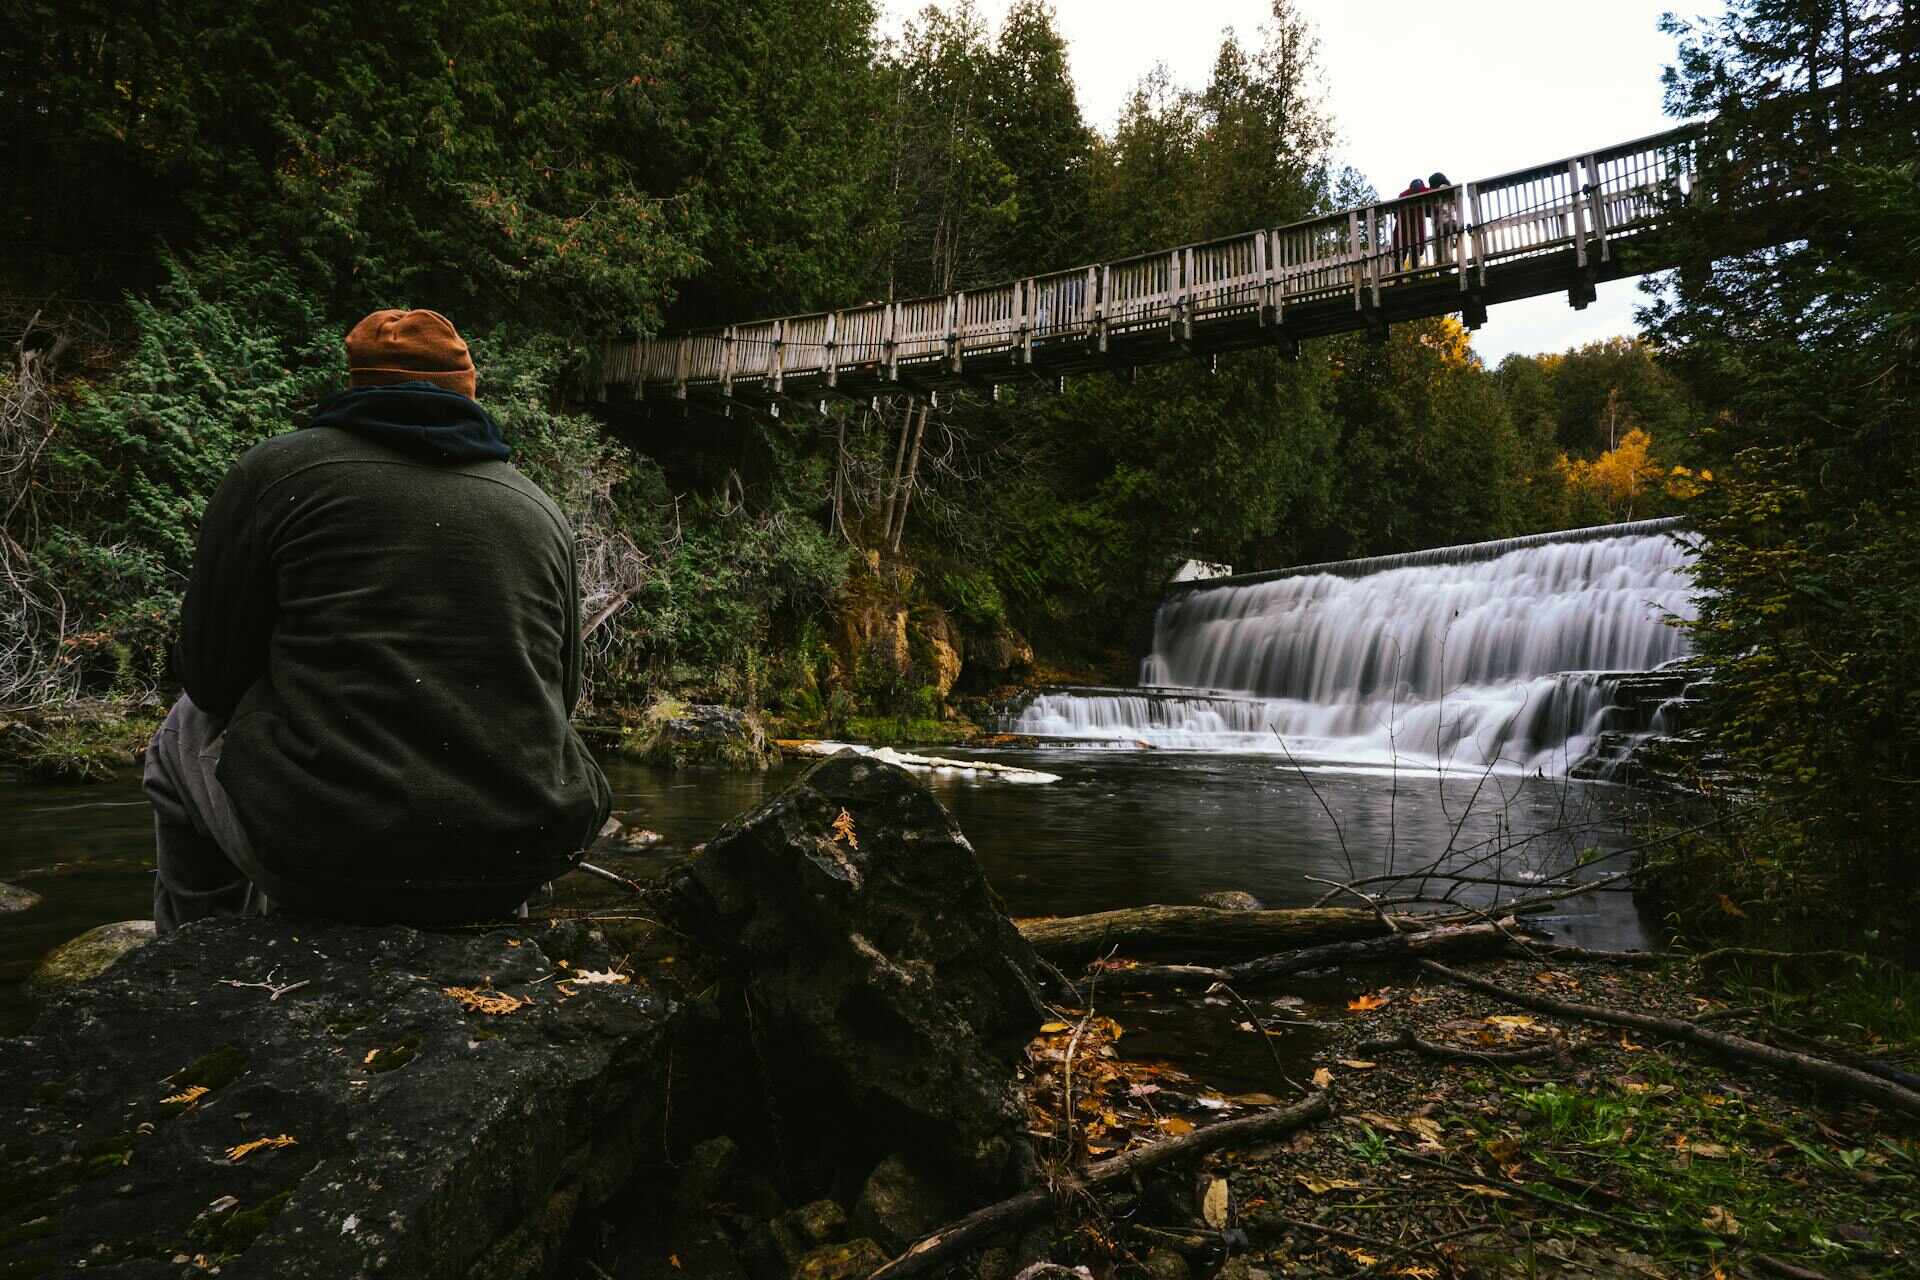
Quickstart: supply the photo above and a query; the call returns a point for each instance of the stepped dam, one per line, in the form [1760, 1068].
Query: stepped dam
[1527, 655]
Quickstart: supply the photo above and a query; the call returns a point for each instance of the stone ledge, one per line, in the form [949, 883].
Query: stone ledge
[429, 1140]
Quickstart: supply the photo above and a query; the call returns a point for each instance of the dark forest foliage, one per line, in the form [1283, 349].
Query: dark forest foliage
[1805, 354]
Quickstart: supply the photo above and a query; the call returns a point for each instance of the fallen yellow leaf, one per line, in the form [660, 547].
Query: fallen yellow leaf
[1367, 1003]
[1720, 1222]
[843, 830]
[1322, 1078]
[1358, 1064]
[1492, 1193]
[191, 1094]
[492, 1002]
[1176, 1126]
[245, 1149]
[371, 1055]
[1053, 1028]
[1730, 907]
[1510, 1021]
[1320, 1186]
[1255, 1099]
[1629, 1045]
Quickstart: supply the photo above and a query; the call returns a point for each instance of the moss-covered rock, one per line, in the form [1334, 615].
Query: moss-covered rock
[692, 735]
[88, 956]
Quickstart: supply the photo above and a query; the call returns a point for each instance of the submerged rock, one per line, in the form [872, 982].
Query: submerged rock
[882, 975]
[88, 956]
[1232, 900]
[290, 1098]
[13, 898]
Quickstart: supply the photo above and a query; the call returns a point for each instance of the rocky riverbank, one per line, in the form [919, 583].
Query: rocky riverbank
[286, 1097]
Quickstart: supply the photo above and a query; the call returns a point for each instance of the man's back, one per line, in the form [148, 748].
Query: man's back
[393, 638]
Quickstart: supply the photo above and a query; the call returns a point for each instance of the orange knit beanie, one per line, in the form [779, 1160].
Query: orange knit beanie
[407, 346]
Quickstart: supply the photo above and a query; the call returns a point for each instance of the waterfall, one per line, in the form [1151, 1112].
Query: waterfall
[1506, 653]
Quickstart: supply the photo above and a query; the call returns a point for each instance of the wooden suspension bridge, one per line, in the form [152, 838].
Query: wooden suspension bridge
[1569, 226]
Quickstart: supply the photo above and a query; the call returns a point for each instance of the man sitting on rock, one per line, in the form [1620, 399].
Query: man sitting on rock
[380, 647]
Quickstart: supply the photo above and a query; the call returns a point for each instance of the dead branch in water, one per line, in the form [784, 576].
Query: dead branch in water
[1458, 940]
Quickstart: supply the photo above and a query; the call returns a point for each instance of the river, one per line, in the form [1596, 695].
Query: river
[1120, 828]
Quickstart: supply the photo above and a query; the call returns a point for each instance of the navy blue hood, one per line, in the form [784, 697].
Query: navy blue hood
[417, 418]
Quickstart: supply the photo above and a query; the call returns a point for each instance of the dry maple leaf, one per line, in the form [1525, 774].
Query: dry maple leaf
[1322, 1078]
[245, 1149]
[191, 1094]
[843, 830]
[1367, 1003]
[492, 1002]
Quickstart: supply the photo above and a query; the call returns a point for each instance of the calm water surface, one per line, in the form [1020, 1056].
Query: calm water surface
[1121, 828]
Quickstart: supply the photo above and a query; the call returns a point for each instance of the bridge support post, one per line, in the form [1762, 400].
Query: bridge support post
[1473, 311]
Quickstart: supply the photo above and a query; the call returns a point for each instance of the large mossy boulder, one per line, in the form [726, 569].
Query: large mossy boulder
[700, 735]
[295, 1099]
[878, 972]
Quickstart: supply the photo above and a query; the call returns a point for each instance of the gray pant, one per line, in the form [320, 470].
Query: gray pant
[200, 846]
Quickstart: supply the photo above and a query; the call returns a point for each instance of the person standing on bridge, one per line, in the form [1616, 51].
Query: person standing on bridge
[1409, 229]
[1446, 225]
[380, 647]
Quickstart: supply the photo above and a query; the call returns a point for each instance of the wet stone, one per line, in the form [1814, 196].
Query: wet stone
[13, 898]
[87, 956]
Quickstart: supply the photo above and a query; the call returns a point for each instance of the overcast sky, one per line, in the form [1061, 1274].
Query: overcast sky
[1474, 89]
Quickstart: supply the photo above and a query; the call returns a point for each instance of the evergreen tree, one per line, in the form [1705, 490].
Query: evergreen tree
[1805, 351]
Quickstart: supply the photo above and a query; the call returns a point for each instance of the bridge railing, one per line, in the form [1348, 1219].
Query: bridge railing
[1581, 205]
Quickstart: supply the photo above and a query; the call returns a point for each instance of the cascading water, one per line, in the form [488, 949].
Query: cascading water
[1504, 653]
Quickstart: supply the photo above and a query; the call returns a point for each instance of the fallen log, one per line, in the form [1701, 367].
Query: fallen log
[1454, 940]
[964, 1233]
[1188, 931]
[1819, 1070]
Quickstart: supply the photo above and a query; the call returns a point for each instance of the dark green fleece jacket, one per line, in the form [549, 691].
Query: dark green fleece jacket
[387, 615]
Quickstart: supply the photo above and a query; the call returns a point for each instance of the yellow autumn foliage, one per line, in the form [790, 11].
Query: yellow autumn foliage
[1620, 476]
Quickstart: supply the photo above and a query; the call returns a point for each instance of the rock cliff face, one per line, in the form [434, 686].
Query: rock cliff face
[291, 1098]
